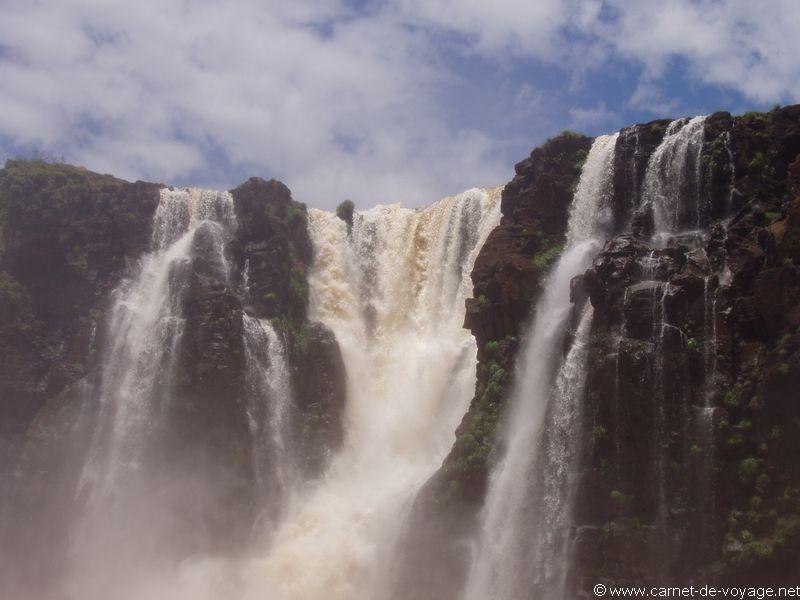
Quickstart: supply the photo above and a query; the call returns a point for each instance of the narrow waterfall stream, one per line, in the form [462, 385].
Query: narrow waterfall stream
[269, 402]
[674, 189]
[672, 181]
[393, 291]
[518, 550]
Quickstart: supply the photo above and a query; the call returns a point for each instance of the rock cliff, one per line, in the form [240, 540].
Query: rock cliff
[68, 236]
[689, 469]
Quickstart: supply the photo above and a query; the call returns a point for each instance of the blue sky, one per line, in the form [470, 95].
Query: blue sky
[378, 101]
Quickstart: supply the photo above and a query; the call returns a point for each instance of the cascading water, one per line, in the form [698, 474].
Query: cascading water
[391, 286]
[393, 291]
[124, 526]
[674, 189]
[521, 545]
[268, 411]
[672, 181]
[558, 454]
[144, 328]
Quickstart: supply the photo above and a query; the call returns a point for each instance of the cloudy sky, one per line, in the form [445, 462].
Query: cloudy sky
[405, 100]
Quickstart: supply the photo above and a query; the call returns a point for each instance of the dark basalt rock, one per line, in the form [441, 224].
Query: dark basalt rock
[272, 240]
[320, 393]
[273, 251]
[209, 437]
[638, 313]
[688, 473]
[509, 269]
[688, 468]
[68, 236]
[635, 144]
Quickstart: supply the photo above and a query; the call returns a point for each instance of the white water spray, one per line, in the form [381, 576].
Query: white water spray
[144, 328]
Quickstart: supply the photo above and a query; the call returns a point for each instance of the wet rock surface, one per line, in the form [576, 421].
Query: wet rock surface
[688, 467]
[688, 464]
[686, 475]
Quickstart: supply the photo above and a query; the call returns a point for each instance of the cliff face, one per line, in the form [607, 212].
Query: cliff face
[688, 448]
[508, 277]
[689, 468]
[273, 250]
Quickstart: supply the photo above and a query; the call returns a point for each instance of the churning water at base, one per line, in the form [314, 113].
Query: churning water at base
[520, 553]
[393, 292]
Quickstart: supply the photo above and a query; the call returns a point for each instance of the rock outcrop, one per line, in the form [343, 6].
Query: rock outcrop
[273, 251]
[687, 468]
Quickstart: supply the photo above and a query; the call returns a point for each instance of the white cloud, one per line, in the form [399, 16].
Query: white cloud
[345, 103]
[150, 89]
[748, 47]
[593, 116]
[745, 46]
[519, 27]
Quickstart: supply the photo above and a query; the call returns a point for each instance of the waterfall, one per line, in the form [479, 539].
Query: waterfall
[732, 169]
[660, 325]
[268, 412]
[706, 412]
[125, 522]
[392, 290]
[512, 558]
[672, 180]
[560, 447]
[145, 325]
